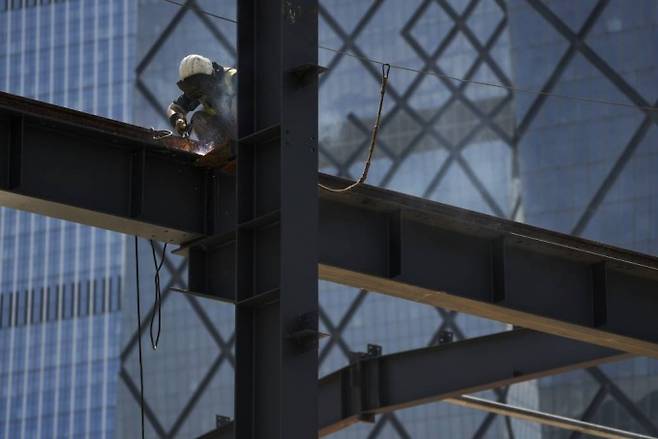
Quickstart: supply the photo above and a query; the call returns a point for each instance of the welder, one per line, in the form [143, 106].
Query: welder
[212, 87]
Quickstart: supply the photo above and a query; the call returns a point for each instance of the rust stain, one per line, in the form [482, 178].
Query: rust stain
[180, 143]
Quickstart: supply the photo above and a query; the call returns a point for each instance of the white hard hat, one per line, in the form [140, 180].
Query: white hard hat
[193, 65]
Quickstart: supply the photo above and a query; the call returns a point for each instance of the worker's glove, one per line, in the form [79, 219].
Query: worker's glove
[181, 126]
[179, 123]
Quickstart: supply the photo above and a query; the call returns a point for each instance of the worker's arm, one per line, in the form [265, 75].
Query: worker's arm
[178, 110]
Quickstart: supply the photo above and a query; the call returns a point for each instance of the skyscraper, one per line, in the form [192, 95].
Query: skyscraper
[60, 283]
[590, 169]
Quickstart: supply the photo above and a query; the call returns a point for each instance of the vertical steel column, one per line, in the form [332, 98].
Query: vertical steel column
[277, 216]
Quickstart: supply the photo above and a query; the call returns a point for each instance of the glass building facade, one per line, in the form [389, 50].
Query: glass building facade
[573, 166]
[60, 283]
[188, 380]
[591, 169]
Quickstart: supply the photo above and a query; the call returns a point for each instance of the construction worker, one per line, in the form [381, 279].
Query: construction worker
[214, 87]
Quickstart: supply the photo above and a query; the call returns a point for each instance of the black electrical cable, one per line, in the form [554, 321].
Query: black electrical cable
[139, 338]
[386, 68]
[157, 304]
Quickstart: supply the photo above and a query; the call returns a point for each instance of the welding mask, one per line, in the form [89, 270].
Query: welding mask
[199, 85]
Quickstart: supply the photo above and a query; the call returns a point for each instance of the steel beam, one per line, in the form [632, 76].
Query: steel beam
[276, 223]
[103, 173]
[87, 169]
[594, 430]
[444, 256]
[457, 259]
[382, 384]
[374, 384]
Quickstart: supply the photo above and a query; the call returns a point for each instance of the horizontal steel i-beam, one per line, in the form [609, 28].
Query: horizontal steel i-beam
[104, 173]
[79, 167]
[457, 259]
[444, 256]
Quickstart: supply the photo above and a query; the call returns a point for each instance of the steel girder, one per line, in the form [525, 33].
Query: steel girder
[416, 249]
[377, 384]
[88, 169]
[374, 383]
[444, 256]
[108, 174]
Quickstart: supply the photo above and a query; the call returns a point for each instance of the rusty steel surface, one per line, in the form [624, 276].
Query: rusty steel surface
[58, 114]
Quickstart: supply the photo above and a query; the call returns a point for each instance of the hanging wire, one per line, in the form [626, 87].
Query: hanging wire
[509, 87]
[494, 84]
[230, 20]
[386, 68]
[157, 301]
[139, 338]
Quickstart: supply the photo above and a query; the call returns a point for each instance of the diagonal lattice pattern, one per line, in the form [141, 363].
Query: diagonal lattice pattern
[450, 128]
[175, 419]
[577, 45]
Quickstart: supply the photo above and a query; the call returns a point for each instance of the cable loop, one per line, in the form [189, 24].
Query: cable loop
[157, 302]
[386, 69]
[161, 134]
